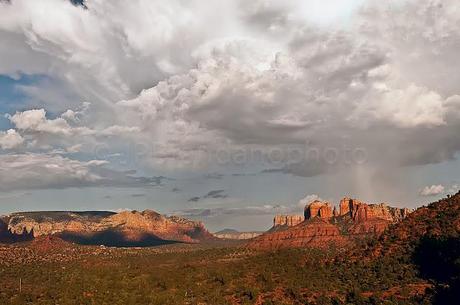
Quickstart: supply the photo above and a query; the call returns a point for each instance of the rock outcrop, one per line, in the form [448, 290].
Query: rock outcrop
[324, 226]
[287, 220]
[128, 228]
[319, 209]
[315, 232]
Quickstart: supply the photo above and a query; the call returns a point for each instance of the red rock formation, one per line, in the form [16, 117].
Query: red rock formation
[347, 205]
[287, 220]
[315, 232]
[318, 209]
[128, 226]
[323, 226]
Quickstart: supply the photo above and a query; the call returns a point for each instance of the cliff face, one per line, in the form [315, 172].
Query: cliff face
[318, 209]
[324, 225]
[287, 220]
[129, 226]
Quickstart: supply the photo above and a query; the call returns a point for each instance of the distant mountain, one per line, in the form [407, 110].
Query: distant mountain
[227, 231]
[128, 228]
[323, 225]
[234, 234]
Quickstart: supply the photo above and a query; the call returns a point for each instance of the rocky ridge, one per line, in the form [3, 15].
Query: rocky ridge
[128, 228]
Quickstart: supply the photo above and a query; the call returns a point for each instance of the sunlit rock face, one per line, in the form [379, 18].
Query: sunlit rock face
[287, 220]
[127, 227]
[319, 209]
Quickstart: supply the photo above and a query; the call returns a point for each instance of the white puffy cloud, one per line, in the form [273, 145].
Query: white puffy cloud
[35, 120]
[307, 199]
[10, 139]
[36, 123]
[432, 190]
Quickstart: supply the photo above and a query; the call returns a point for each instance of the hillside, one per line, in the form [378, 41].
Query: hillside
[438, 220]
[429, 239]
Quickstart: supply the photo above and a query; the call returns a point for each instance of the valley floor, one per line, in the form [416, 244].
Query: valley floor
[216, 274]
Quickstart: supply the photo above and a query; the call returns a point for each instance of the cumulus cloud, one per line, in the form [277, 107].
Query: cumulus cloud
[266, 80]
[109, 50]
[35, 120]
[307, 199]
[10, 139]
[432, 190]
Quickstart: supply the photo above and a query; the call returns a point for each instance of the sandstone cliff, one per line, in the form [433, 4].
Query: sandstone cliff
[324, 226]
[287, 220]
[130, 228]
[319, 209]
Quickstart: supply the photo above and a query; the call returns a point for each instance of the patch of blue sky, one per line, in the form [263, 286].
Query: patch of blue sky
[12, 97]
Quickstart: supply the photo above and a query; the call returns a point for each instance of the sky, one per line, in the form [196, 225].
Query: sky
[229, 111]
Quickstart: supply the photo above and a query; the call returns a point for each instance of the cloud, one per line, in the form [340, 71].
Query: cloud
[35, 120]
[45, 171]
[453, 189]
[308, 199]
[114, 37]
[216, 176]
[432, 190]
[266, 82]
[234, 211]
[216, 194]
[10, 139]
